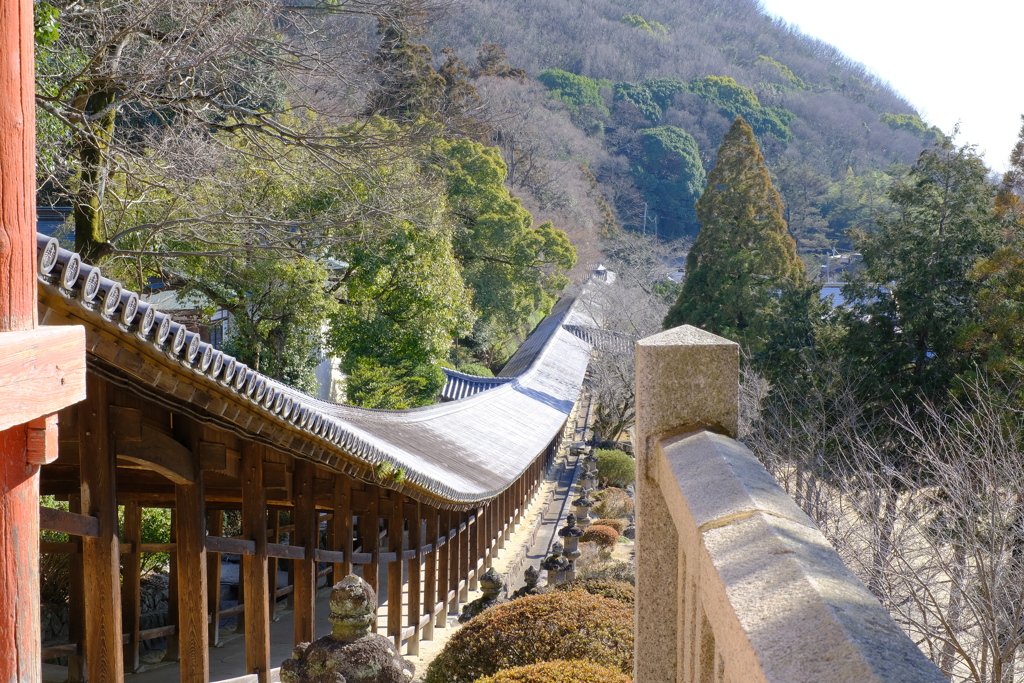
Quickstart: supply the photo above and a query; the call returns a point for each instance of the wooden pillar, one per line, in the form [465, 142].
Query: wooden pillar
[272, 564]
[369, 526]
[444, 563]
[396, 534]
[522, 497]
[306, 535]
[430, 571]
[131, 587]
[101, 558]
[172, 651]
[190, 530]
[254, 567]
[76, 602]
[503, 501]
[453, 562]
[339, 529]
[213, 578]
[476, 548]
[463, 563]
[33, 385]
[415, 517]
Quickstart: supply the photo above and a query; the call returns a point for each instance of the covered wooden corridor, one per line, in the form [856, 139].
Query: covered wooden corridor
[420, 497]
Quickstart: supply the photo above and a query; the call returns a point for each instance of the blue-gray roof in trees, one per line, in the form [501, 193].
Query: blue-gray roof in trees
[453, 454]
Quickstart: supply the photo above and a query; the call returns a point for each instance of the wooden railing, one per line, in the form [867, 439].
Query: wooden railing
[734, 582]
[437, 556]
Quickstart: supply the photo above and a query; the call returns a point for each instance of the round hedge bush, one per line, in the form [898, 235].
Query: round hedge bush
[604, 536]
[616, 467]
[538, 628]
[616, 590]
[613, 503]
[561, 671]
[616, 524]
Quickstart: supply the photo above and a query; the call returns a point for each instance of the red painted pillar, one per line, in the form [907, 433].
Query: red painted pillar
[28, 434]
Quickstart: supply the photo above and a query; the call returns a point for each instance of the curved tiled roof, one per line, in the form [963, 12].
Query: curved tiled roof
[462, 385]
[457, 453]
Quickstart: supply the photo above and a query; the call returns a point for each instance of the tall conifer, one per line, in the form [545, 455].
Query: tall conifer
[744, 280]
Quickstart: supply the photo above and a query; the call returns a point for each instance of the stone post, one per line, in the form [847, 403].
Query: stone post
[686, 379]
[571, 533]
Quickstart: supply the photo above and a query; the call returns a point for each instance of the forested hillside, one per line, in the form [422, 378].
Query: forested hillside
[652, 87]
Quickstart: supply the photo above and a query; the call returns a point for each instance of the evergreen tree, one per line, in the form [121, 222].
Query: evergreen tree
[743, 278]
[914, 309]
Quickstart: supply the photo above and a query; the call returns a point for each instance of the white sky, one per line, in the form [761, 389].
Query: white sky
[953, 60]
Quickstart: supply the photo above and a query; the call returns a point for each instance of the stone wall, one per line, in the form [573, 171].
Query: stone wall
[734, 582]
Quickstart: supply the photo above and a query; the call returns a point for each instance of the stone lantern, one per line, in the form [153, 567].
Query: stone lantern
[583, 505]
[531, 576]
[555, 565]
[571, 533]
[491, 585]
[350, 653]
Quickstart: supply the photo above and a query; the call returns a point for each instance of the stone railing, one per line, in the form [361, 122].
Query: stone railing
[734, 582]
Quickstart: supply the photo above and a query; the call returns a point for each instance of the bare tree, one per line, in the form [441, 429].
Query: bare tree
[136, 95]
[925, 503]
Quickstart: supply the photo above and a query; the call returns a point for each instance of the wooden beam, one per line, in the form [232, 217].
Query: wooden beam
[254, 567]
[306, 536]
[190, 523]
[160, 453]
[216, 530]
[101, 557]
[396, 534]
[41, 370]
[66, 522]
[452, 528]
[131, 587]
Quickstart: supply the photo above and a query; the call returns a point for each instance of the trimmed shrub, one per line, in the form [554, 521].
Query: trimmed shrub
[538, 628]
[617, 468]
[613, 503]
[616, 590]
[561, 671]
[618, 571]
[616, 524]
[477, 370]
[604, 536]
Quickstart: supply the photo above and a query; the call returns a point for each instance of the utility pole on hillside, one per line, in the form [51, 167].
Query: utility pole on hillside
[645, 218]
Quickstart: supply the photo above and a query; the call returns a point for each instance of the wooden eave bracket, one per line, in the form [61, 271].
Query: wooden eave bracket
[41, 371]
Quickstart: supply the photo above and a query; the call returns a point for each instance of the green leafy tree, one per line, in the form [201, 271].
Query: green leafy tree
[671, 176]
[913, 307]
[913, 124]
[743, 278]
[735, 100]
[401, 302]
[513, 269]
[581, 95]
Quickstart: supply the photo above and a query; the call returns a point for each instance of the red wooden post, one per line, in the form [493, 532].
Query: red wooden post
[19, 470]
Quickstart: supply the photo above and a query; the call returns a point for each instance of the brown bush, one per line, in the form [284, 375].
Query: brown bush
[604, 536]
[616, 590]
[538, 628]
[616, 524]
[616, 571]
[613, 503]
[561, 671]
